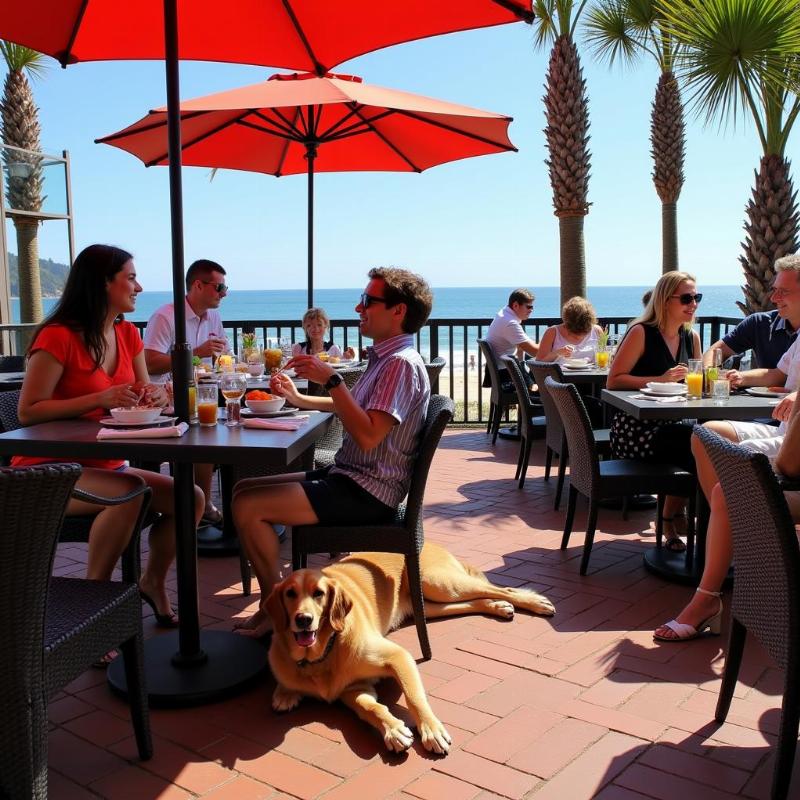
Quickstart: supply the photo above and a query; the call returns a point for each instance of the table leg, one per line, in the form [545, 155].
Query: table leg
[192, 666]
[211, 541]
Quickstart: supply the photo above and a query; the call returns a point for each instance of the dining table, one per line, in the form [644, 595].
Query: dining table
[687, 567]
[11, 380]
[188, 666]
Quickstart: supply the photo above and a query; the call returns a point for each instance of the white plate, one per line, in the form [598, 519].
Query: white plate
[283, 412]
[578, 369]
[645, 390]
[110, 422]
[763, 391]
[344, 364]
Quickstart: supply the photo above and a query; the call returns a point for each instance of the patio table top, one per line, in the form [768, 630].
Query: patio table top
[739, 406]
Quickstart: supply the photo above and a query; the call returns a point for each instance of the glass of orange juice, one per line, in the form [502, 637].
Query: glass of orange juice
[601, 357]
[694, 379]
[207, 404]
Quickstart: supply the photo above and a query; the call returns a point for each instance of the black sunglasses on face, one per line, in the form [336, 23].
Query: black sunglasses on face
[687, 297]
[219, 287]
[367, 300]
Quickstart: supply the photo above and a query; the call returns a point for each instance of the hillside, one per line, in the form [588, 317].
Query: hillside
[54, 276]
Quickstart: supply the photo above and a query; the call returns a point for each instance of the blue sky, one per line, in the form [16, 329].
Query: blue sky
[479, 222]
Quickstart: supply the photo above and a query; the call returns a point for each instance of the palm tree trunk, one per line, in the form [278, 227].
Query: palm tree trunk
[772, 230]
[30, 284]
[669, 237]
[573, 258]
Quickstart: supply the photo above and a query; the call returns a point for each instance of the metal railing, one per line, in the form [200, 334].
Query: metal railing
[454, 339]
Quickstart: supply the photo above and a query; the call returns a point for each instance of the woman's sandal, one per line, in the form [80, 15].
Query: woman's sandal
[162, 620]
[674, 543]
[102, 663]
[684, 632]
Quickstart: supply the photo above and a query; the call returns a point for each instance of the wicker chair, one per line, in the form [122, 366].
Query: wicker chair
[327, 445]
[12, 363]
[53, 628]
[499, 401]
[766, 592]
[598, 480]
[555, 438]
[404, 535]
[528, 422]
[433, 369]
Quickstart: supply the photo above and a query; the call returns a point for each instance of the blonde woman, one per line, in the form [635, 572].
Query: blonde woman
[576, 336]
[316, 324]
[656, 348]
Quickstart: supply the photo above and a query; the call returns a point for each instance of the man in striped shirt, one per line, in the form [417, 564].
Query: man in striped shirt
[382, 418]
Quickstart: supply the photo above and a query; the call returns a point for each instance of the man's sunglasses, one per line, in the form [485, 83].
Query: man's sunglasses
[219, 287]
[687, 297]
[368, 299]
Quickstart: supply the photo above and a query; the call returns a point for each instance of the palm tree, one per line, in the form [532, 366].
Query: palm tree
[744, 56]
[567, 134]
[20, 128]
[627, 29]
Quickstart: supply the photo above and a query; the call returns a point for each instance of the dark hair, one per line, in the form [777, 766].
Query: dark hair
[406, 287]
[83, 304]
[521, 296]
[201, 270]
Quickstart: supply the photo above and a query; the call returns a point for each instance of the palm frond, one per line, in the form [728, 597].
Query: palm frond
[545, 23]
[19, 58]
[609, 32]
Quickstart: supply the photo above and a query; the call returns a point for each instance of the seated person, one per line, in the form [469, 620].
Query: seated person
[575, 337]
[84, 359]
[316, 324]
[769, 334]
[656, 348]
[507, 337]
[704, 610]
[382, 417]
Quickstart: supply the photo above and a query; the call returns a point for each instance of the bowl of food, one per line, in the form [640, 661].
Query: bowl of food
[575, 362]
[255, 370]
[263, 402]
[136, 415]
[666, 388]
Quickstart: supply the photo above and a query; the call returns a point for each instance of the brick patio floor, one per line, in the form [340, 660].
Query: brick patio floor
[578, 706]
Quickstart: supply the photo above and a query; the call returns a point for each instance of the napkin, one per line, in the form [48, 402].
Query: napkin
[168, 431]
[286, 424]
[668, 398]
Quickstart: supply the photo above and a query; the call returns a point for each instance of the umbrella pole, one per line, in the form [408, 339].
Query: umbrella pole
[311, 154]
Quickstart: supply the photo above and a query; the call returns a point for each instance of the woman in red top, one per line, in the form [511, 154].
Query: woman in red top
[83, 360]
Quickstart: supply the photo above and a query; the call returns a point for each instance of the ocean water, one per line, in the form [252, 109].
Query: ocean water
[449, 302]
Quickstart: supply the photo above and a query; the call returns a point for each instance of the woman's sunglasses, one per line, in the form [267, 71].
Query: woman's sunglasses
[687, 297]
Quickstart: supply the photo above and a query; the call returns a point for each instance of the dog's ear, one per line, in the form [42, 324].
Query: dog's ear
[339, 605]
[276, 608]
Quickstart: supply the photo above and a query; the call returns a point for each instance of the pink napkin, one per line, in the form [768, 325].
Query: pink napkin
[168, 431]
[288, 424]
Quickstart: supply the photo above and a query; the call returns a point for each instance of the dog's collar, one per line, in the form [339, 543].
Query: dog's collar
[304, 662]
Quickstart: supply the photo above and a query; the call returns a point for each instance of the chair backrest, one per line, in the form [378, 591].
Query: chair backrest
[332, 438]
[32, 504]
[440, 412]
[9, 421]
[12, 363]
[526, 407]
[554, 432]
[497, 393]
[433, 369]
[584, 472]
[766, 589]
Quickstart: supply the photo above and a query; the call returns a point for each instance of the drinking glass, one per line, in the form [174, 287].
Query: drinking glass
[694, 379]
[720, 392]
[233, 385]
[601, 356]
[207, 404]
[273, 354]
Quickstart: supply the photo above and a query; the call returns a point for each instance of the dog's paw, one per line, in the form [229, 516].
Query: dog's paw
[501, 608]
[397, 737]
[435, 738]
[285, 699]
[541, 605]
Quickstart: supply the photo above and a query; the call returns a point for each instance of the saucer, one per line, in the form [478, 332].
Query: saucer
[645, 390]
[577, 368]
[283, 412]
[158, 422]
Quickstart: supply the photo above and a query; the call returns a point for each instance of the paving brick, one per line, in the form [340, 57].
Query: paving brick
[486, 774]
[665, 786]
[463, 687]
[78, 759]
[435, 786]
[133, 783]
[242, 788]
[100, 728]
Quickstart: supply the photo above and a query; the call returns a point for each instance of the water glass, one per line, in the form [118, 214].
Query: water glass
[233, 385]
[720, 392]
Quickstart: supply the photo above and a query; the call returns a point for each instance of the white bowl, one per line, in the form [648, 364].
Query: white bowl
[136, 415]
[265, 406]
[576, 362]
[255, 370]
[666, 388]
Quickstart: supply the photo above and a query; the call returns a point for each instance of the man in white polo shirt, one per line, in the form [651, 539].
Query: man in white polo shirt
[507, 336]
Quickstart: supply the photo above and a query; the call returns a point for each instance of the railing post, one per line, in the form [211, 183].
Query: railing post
[433, 343]
[715, 330]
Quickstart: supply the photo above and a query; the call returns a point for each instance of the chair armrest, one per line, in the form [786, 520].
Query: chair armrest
[99, 500]
[788, 484]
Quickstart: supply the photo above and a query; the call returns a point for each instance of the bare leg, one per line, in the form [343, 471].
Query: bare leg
[705, 471]
[162, 536]
[203, 475]
[256, 506]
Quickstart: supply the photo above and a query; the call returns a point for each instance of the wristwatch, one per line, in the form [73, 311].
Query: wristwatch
[335, 380]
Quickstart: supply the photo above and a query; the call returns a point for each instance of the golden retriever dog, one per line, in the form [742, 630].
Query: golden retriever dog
[330, 629]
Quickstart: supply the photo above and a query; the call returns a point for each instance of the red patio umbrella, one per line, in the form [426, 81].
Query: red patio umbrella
[303, 123]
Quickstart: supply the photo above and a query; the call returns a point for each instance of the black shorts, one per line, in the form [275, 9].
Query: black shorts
[339, 500]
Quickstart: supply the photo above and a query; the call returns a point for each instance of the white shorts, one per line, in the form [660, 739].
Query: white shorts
[758, 436]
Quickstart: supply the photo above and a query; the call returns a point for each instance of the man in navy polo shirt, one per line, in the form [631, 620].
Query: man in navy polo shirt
[768, 333]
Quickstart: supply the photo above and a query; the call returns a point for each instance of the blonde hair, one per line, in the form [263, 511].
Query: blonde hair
[655, 312]
[578, 315]
[790, 263]
[316, 314]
